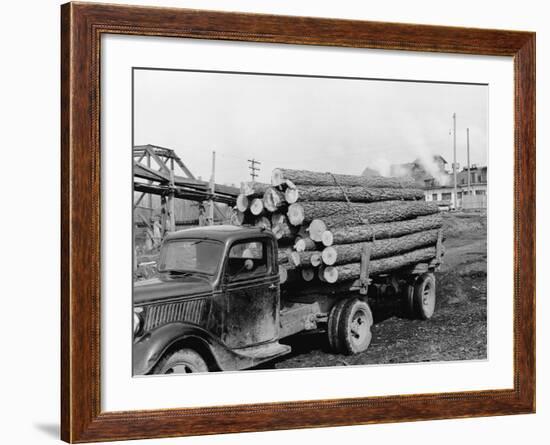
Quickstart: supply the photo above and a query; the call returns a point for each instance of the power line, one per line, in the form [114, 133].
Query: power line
[253, 168]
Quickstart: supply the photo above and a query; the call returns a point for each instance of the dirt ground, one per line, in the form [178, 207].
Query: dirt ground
[458, 328]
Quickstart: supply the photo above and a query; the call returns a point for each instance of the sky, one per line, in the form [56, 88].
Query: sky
[321, 124]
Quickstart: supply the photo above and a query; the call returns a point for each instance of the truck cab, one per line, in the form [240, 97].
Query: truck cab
[215, 304]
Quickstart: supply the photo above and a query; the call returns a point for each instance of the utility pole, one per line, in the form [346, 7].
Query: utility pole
[253, 168]
[212, 191]
[454, 161]
[468, 156]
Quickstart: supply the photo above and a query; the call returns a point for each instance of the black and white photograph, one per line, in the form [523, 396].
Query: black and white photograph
[299, 221]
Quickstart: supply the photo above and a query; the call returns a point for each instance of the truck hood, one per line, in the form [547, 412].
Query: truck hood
[169, 287]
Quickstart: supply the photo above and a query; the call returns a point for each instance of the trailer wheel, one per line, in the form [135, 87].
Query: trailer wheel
[183, 361]
[332, 326]
[423, 301]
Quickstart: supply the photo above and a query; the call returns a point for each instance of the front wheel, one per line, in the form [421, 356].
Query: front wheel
[183, 361]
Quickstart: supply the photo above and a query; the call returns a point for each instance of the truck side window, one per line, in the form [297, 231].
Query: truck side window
[247, 259]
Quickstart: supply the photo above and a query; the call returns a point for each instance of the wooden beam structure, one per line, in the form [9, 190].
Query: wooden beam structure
[154, 174]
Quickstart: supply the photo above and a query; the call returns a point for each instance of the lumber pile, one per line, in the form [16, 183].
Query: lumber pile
[323, 220]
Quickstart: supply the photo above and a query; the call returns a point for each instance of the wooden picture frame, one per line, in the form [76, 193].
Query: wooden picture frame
[82, 26]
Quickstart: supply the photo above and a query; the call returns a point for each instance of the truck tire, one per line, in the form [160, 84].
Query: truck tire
[355, 327]
[408, 301]
[423, 298]
[332, 326]
[182, 361]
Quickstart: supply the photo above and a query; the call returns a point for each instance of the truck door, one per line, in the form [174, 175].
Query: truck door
[252, 294]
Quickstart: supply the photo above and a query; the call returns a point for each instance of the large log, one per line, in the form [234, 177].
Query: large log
[368, 232]
[357, 193]
[338, 214]
[351, 253]
[335, 274]
[305, 177]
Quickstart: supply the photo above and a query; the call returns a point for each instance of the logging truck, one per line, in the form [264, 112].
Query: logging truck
[218, 304]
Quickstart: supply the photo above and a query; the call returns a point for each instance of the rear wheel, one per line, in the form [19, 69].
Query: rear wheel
[423, 298]
[183, 361]
[332, 325]
[349, 326]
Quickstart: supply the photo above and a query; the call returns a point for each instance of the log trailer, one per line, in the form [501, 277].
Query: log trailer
[217, 303]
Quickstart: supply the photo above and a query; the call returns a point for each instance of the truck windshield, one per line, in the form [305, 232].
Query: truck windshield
[190, 255]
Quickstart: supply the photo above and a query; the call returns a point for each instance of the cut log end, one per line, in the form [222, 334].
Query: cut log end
[300, 245]
[303, 244]
[294, 258]
[329, 256]
[316, 229]
[330, 274]
[291, 195]
[295, 214]
[327, 238]
[308, 274]
[242, 203]
[257, 206]
[315, 260]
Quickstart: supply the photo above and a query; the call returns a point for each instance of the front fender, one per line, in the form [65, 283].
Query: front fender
[148, 349]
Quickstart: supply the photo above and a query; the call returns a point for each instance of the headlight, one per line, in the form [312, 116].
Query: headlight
[138, 320]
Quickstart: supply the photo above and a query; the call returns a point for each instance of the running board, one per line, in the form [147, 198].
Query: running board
[264, 352]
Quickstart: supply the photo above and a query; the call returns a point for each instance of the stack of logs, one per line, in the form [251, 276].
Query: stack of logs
[323, 220]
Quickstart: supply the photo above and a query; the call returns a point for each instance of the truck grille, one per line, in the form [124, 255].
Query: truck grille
[190, 311]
